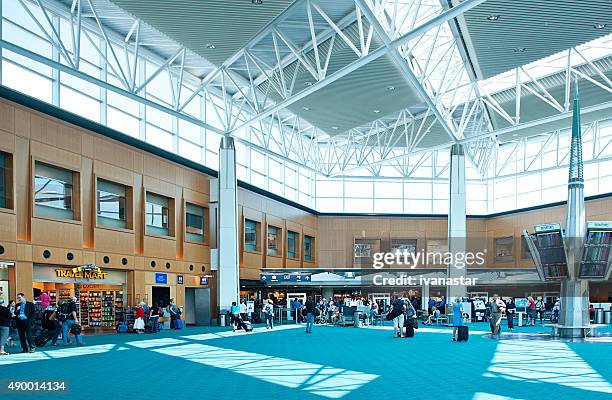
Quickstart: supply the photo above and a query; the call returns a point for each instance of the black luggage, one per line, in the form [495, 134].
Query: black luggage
[462, 333]
[247, 326]
[410, 331]
[43, 338]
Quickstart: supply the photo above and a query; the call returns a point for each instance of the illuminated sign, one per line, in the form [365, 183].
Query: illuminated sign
[179, 279]
[203, 280]
[161, 278]
[79, 274]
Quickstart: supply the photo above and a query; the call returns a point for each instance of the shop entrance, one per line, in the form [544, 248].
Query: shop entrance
[290, 299]
[161, 296]
[197, 306]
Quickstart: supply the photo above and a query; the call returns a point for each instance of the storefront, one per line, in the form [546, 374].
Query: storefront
[101, 293]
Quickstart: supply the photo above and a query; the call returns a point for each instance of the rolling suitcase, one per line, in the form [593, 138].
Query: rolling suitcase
[462, 333]
[179, 324]
[122, 328]
[247, 326]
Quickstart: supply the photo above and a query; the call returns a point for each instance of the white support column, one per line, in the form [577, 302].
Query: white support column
[227, 274]
[456, 220]
[425, 297]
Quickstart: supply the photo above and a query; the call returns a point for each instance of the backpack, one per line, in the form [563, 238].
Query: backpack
[540, 305]
[63, 312]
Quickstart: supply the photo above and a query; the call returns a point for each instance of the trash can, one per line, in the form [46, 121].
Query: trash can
[221, 319]
[608, 317]
[599, 316]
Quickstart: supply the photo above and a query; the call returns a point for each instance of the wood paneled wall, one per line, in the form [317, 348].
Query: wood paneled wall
[337, 234]
[266, 212]
[30, 136]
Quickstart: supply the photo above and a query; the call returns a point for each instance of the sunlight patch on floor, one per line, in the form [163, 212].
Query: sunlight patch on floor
[317, 379]
[545, 362]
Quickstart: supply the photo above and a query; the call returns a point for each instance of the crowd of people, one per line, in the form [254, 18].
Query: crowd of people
[153, 319]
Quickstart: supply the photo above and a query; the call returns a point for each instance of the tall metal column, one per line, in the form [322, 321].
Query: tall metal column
[456, 221]
[574, 291]
[228, 275]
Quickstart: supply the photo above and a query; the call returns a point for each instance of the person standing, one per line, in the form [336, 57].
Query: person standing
[268, 310]
[373, 312]
[457, 317]
[45, 300]
[5, 326]
[531, 310]
[310, 314]
[497, 309]
[13, 325]
[555, 311]
[24, 312]
[139, 318]
[539, 310]
[71, 320]
[397, 309]
[510, 312]
[296, 310]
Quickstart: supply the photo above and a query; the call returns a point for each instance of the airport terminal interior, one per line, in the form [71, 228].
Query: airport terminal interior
[306, 199]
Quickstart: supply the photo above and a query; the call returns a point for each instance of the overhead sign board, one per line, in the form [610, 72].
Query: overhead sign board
[285, 277]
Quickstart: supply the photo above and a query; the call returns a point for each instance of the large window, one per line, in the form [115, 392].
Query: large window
[158, 214]
[251, 229]
[274, 235]
[53, 191]
[292, 244]
[195, 223]
[111, 204]
[308, 248]
[6, 180]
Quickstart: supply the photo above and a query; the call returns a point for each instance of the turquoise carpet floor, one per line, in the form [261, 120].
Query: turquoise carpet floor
[330, 363]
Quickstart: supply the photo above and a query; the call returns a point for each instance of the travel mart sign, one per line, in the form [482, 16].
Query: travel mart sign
[81, 274]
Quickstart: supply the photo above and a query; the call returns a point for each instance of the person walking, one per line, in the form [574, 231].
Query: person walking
[457, 317]
[58, 323]
[51, 324]
[309, 308]
[555, 311]
[243, 310]
[174, 314]
[71, 320]
[510, 312]
[268, 310]
[5, 326]
[497, 309]
[154, 318]
[24, 312]
[234, 315]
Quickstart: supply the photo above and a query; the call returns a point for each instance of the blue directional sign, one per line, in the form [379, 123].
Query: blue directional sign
[274, 278]
[161, 278]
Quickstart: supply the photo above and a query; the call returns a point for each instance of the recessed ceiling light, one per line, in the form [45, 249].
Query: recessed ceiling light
[308, 83]
[519, 49]
[599, 26]
[257, 1]
[306, 108]
[376, 111]
[210, 46]
[493, 17]
[390, 88]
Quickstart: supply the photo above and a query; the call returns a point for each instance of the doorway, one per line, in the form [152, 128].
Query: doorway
[161, 296]
[197, 306]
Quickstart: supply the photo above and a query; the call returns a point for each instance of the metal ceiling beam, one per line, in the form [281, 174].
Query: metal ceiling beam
[407, 72]
[373, 55]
